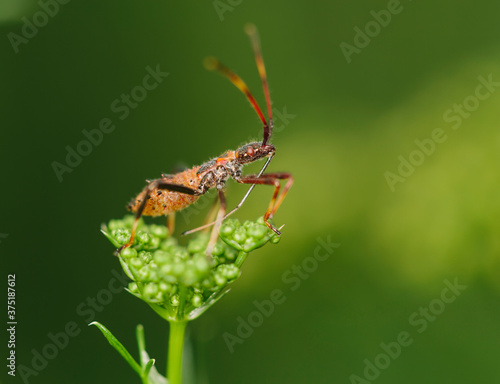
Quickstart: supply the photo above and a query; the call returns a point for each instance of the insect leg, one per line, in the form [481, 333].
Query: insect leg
[218, 222]
[277, 199]
[211, 215]
[171, 223]
[155, 184]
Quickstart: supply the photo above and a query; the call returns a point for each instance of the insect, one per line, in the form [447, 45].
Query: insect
[172, 193]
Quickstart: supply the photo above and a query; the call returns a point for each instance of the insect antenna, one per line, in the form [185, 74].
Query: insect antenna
[212, 64]
[251, 31]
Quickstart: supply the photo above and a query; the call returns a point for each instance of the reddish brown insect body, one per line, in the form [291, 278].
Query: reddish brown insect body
[172, 193]
[162, 202]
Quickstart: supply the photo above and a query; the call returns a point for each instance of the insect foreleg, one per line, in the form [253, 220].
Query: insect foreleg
[271, 179]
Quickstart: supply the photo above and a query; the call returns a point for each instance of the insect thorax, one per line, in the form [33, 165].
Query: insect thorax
[218, 174]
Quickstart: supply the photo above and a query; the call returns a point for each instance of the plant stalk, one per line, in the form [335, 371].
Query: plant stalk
[175, 349]
[240, 259]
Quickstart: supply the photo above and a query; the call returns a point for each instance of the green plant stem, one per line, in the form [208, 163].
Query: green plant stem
[182, 301]
[240, 259]
[175, 349]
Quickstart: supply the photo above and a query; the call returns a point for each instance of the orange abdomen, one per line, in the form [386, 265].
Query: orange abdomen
[163, 202]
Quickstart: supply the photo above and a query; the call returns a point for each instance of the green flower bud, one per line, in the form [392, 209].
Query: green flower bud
[247, 224]
[208, 283]
[249, 243]
[122, 239]
[154, 242]
[198, 244]
[167, 273]
[158, 231]
[218, 250]
[200, 264]
[166, 288]
[115, 224]
[154, 273]
[257, 232]
[161, 257]
[275, 239]
[128, 253]
[197, 300]
[128, 221]
[231, 253]
[189, 277]
[174, 300]
[150, 291]
[120, 232]
[137, 263]
[227, 228]
[145, 256]
[132, 287]
[144, 274]
[229, 271]
[178, 268]
[220, 280]
[181, 253]
[240, 235]
[168, 244]
[143, 237]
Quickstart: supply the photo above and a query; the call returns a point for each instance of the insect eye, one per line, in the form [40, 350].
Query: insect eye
[250, 151]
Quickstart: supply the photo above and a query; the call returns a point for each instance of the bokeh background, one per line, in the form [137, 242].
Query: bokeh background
[346, 125]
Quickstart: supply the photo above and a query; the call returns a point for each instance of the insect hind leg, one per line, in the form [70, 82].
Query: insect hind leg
[155, 184]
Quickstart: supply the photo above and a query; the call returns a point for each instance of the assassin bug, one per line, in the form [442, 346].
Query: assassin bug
[172, 193]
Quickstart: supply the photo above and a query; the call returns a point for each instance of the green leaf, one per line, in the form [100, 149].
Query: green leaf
[215, 297]
[119, 347]
[126, 269]
[152, 375]
[109, 237]
[141, 341]
[148, 366]
[149, 373]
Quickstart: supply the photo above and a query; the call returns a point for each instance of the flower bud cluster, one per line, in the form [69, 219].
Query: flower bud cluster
[179, 281]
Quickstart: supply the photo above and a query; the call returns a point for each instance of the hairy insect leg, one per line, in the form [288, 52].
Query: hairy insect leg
[209, 220]
[171, 223]
[218, 222]
[211, 215]
[277, 199]
[155, 184]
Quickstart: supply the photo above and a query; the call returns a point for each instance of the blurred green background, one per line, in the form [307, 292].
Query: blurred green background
[347, 125]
